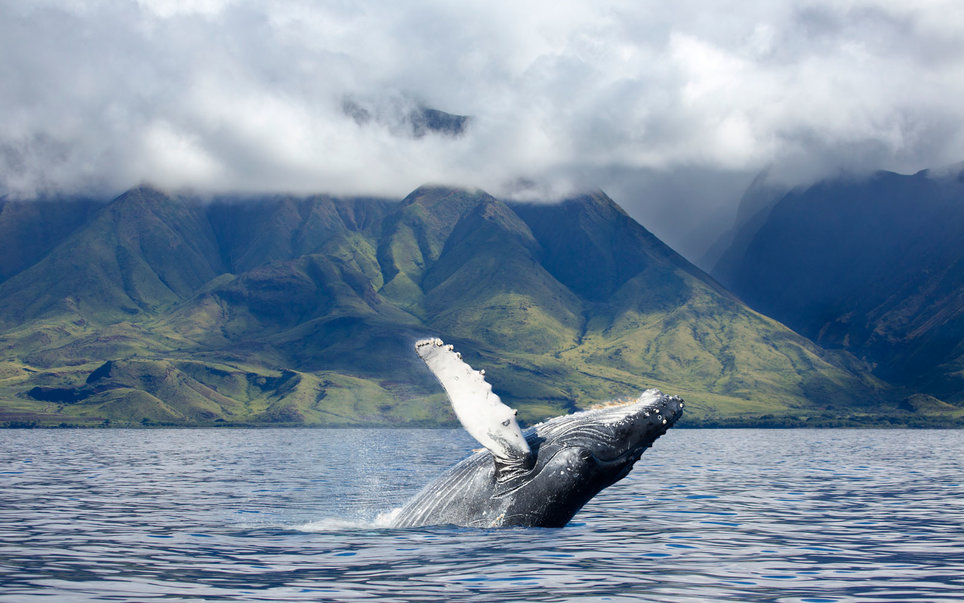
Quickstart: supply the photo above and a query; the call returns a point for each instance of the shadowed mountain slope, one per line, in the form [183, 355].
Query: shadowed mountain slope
[874, 266]
[31, 229]
[140, 253]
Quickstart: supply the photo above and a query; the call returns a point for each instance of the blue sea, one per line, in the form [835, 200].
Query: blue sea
[299, 515]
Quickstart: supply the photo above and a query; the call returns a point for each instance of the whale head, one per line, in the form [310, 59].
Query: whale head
[616, 434]
[578, 455]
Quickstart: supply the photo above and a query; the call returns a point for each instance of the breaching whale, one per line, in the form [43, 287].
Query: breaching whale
[537, 478]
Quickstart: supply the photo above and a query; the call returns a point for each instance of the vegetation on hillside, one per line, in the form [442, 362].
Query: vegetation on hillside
[156, 309]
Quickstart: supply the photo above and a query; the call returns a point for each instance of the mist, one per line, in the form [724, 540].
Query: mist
[670, 108]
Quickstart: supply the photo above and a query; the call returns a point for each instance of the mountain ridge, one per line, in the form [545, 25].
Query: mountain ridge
[319, 298]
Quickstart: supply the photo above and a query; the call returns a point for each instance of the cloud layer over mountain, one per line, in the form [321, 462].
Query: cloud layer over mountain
[252, 95]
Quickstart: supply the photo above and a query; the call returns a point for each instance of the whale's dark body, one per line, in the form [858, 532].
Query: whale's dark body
[573, 457]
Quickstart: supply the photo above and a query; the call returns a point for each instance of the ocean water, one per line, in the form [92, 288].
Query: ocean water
[293, 515]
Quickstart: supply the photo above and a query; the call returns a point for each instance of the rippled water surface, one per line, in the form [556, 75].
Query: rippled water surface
[290, 515]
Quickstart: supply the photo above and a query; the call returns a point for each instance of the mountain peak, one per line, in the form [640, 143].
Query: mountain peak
[430, 195]
[598, 202]
[143, 192]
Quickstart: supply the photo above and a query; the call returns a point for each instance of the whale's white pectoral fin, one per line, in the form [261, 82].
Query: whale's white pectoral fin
[480, 411]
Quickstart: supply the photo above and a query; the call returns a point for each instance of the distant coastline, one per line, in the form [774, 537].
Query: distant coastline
[22, 421]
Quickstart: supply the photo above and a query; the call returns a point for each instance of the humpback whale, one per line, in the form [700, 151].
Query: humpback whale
[540, 477]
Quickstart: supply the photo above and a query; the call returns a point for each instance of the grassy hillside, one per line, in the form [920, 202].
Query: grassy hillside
[162, 310]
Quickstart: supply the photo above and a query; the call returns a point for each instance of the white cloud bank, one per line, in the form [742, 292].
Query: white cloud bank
[248, 95]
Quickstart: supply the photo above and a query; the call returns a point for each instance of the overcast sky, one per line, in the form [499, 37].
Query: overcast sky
[671, 107]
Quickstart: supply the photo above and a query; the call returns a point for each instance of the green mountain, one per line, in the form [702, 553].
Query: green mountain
[874, 266]
[164, 309]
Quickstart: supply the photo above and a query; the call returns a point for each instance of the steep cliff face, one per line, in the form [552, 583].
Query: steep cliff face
[874, 266]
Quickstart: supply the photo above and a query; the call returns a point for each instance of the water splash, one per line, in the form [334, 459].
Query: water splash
[337, 524]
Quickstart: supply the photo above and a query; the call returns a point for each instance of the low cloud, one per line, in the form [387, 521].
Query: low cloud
[251, 96]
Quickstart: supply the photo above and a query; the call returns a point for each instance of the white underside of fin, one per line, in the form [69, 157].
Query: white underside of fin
[480, 411]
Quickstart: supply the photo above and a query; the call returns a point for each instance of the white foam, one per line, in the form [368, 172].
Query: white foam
[336, 524]
[387, 518]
